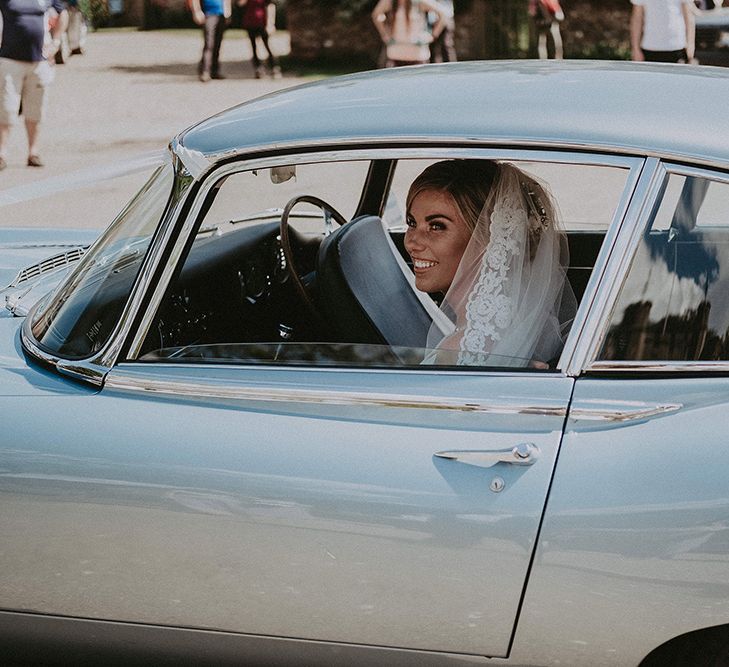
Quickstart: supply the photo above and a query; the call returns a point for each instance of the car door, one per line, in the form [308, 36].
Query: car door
[313, 503]
[637, 516]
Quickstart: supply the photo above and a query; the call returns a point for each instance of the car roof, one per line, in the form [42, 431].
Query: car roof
[675, 111]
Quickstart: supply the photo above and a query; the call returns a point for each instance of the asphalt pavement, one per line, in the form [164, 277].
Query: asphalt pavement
[124, 99]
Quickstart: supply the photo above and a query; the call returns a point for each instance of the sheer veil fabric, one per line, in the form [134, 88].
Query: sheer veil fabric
[510, 301]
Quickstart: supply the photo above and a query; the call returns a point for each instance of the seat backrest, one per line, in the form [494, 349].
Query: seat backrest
[363, 292]
[584, 249]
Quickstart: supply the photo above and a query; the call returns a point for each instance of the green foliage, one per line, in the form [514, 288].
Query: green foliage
[95, 11]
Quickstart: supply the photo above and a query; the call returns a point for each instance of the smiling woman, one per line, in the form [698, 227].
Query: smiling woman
[486, 237]
[443, 206]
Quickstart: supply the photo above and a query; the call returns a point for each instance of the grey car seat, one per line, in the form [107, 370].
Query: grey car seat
[363, 288]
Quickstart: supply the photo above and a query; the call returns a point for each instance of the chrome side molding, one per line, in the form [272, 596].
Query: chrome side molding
[619, 411]
[259, 394]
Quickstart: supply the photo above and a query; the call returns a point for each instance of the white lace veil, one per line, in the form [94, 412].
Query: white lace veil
[510, 302]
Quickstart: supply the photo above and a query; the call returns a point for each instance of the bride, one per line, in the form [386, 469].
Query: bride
[485, 242]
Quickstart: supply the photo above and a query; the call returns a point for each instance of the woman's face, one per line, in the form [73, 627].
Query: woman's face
[436, 239]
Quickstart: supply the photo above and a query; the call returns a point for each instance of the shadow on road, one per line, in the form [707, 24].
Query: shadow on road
[166, 69]
[232, 70]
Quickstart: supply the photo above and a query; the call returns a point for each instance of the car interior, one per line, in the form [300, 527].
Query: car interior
[266, 290]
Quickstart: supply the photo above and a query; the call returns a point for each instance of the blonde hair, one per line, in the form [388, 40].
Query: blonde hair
[468, 182]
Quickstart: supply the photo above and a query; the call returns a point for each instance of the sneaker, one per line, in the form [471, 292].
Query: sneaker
[34, 161]
[258, 73]
[205, 77]
[276, 72]
[3, 164]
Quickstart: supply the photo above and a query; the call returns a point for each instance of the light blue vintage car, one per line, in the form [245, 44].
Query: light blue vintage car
[219, 445]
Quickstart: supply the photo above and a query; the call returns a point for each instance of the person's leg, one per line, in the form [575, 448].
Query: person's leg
[75, 23]
[32, 129]
[264, 39]
[35, 100]
[4, 135]
[206, 62]
[252, 34]
[436, 48]
[557, 38]
[272, 65]
[448, 44]
[217, 41]
[542, 44]
[11, 85]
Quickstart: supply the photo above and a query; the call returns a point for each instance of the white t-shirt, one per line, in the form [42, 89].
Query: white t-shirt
[664, 28]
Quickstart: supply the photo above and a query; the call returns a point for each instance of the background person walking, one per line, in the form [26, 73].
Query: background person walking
[403, 28]
[25, 72]
[212, 15]
[662, 31]
[259, 20]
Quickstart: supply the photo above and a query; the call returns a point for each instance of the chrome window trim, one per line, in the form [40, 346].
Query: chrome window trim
[654, 193]
[495, 143]
[631, 164]
[575, 345]
[700, 172]
[615, 266]
[94, 368]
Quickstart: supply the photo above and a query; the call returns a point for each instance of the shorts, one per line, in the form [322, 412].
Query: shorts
[20, 80]
[678, 56]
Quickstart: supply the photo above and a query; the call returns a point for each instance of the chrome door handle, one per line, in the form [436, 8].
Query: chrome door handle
[524, 454]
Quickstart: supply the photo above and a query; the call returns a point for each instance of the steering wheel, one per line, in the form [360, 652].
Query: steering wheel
[330, 213]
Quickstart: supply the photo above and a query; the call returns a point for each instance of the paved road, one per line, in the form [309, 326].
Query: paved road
[128, 95]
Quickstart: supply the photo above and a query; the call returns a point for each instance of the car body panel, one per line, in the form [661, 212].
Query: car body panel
[635, 528]
[57, 640]
[22, 247]
[318, 521]
[21, 377]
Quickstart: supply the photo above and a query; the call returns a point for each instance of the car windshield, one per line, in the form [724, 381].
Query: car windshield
[77, 318]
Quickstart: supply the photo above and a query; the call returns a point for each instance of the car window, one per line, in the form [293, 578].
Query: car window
[585, 194]
[674, 305]
[250, 196]
[76, 319]
[350, 296]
